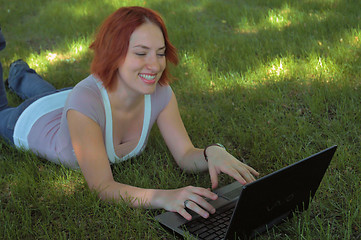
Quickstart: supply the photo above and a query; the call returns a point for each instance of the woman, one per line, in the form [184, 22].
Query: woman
[107, 117]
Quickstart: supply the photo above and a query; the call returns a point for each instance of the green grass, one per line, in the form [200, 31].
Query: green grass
[274, 81]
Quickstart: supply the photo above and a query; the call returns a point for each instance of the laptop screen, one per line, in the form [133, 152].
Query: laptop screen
[276, 196]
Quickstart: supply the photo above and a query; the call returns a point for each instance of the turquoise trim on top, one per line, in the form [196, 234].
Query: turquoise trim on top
[35, 111]
[113, 158]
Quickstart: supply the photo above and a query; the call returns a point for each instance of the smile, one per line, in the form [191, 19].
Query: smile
[148, 78]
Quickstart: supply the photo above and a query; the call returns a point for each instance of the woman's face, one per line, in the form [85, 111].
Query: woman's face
[145, 60]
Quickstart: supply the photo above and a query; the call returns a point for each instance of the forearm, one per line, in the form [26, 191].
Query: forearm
[140, 197]
[134, 196]
[193, 161]
[171, 200]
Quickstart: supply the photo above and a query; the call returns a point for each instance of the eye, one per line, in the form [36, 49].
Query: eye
[140, 54]
[161, 54]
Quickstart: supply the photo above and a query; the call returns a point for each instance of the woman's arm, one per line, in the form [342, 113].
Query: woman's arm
[176, 137]
[190, 158]
[87, 140]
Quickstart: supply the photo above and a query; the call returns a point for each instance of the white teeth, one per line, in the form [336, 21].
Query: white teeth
[148, 77]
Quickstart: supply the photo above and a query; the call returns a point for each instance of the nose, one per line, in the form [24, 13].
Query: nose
[154, 63]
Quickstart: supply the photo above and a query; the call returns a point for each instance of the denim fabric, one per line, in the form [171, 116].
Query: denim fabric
[29, 86]
[2, 41]
[25, 82]
[3, 99]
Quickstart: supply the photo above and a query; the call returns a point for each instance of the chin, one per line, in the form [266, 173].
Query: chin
[149, 89]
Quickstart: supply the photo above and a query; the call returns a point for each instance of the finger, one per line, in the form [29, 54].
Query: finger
[248, 177]
[197, 209]
[254, 172]
[204, 192]
[252, 177]
[250, 169]
[184, 213]
[248, 173]
[203, 203]
[214, 177]
[236, 175]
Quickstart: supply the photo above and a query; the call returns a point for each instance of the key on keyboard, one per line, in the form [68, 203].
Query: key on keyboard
[214, 227]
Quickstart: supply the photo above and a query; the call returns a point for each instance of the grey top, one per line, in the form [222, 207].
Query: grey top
[48, 136]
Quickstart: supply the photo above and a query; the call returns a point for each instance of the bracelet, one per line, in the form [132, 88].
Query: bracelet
[215, 144]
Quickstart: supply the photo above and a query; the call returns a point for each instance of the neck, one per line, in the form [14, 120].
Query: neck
[124, 100]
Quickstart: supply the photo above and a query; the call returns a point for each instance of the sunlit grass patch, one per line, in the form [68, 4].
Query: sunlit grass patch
[73, 51]
[280, 18]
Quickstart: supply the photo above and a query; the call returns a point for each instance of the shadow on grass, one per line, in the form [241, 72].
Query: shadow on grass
[265, 127]
[219, 29]
[223, 29]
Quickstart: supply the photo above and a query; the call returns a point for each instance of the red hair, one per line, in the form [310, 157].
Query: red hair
[112, 41]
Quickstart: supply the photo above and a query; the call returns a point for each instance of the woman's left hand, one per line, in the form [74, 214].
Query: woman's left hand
[219, 160]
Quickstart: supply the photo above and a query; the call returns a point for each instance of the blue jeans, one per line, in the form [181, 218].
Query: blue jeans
[29, 86]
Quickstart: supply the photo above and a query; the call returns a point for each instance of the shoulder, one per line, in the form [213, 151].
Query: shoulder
[86, 98]
[85, 92]
[160, 99]
[162, 93]
[87, 85]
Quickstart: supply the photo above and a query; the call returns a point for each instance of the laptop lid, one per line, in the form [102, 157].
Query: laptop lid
[273, 198]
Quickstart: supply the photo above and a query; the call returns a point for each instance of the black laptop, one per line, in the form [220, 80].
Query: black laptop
[246, 211]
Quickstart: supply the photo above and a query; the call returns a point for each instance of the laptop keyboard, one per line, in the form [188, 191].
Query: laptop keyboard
[214, 227]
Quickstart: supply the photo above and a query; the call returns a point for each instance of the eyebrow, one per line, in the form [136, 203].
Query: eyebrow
[147, 48]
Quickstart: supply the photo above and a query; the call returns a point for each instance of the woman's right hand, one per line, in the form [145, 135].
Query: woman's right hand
[173, 200]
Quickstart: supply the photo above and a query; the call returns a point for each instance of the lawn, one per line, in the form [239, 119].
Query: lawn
[273, 81]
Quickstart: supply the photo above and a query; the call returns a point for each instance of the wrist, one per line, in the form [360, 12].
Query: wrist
[158, 198]
[205, 149]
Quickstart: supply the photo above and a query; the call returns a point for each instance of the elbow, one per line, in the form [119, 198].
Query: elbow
[103, 190]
